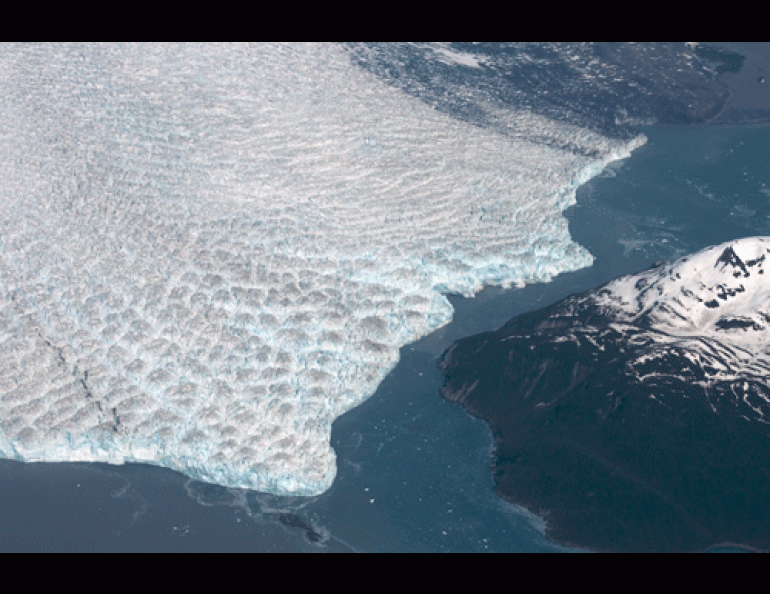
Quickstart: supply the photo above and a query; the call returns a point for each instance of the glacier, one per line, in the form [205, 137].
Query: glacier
[209, 252]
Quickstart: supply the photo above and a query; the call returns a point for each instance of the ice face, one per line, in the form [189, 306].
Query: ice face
[210, 252]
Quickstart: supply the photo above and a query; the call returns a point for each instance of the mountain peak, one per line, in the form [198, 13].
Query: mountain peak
[730, 258]
[721, 291]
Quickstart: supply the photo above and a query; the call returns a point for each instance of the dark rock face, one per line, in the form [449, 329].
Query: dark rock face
[623, 437]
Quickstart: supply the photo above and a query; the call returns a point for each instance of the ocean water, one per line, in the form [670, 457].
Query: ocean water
[410, 472]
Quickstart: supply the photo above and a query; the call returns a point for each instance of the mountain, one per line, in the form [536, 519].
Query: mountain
[635, 417]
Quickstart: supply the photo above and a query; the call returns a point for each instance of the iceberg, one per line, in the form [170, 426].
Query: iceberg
[210, 252]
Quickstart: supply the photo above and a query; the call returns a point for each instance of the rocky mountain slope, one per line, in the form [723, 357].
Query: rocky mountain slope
[635, 416]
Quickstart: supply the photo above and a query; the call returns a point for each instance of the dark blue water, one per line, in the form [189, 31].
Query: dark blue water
[413, 470]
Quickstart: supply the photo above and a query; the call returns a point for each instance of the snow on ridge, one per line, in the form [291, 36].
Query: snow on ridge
[722, 292]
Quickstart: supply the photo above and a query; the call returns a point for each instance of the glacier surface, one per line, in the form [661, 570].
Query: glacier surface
[210, 252]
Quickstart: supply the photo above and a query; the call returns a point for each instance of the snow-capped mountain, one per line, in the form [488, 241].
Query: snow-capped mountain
[703, 320]
[721, 292]
[651, 392]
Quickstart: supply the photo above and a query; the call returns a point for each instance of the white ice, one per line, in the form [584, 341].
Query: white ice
[210, 252]
[453, 57]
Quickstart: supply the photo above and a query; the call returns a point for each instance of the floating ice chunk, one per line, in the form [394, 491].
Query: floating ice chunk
[210, 252]
[450, 56]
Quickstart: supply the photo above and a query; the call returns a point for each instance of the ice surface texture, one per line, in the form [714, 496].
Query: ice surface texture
[210, 252]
